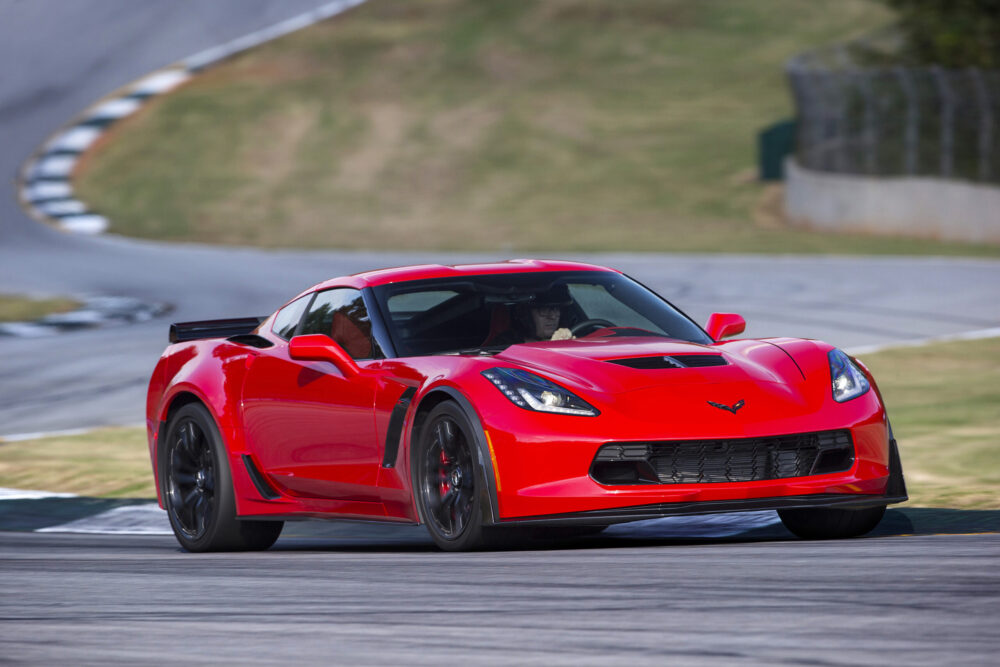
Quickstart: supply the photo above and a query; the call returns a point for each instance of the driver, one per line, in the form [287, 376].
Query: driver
[539, 319]
[544, 321]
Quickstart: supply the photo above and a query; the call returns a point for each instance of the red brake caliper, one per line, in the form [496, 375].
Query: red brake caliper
[443, 484]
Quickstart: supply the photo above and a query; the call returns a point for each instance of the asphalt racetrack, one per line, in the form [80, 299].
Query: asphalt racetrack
[386, 597]
[358, 594]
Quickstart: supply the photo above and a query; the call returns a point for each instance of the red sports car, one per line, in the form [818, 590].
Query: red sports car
[480, 398]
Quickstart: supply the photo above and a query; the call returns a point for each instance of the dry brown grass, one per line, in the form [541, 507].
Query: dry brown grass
[14, 308]
[109, 462]
[944, 403]
[565, 125]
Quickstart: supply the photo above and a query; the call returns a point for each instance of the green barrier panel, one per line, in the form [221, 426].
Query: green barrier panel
[774, 143]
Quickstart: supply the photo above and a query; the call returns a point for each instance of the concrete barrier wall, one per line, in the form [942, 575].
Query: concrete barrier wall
[907, 206]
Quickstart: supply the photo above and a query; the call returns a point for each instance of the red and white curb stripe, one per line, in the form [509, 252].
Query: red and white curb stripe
[45, 186]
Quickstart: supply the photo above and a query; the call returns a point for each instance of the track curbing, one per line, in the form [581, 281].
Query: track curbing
[46, 188]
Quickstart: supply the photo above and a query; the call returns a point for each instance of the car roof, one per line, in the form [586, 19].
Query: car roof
[426, 271]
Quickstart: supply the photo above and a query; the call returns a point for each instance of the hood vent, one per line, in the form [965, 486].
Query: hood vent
[672, 361]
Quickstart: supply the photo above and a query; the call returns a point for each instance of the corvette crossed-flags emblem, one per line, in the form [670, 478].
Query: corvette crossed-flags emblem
[731, 408]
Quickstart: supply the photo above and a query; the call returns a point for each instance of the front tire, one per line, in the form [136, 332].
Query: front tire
[829, 523]
[198, 489]
[447, 479]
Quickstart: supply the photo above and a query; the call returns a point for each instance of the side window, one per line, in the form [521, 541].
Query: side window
[341, 315]
[288, 318]
[417, 302]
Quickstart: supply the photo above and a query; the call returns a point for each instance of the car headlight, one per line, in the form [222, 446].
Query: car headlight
[532, 392]
[848, 381]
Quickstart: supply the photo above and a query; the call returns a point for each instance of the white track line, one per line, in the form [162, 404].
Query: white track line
[978, 334]
[216, 53]
[38, 435]
[30, 494]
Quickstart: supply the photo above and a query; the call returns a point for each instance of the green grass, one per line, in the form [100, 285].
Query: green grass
[944, 402]
[14, 308]
[107, 462]
[461, 124]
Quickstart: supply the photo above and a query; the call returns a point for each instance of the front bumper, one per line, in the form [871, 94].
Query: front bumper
[895, 493]
[544, 477]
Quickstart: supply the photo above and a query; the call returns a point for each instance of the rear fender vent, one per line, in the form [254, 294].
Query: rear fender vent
[673, 361]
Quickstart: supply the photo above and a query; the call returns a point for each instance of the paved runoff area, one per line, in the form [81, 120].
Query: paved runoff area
[386, 597]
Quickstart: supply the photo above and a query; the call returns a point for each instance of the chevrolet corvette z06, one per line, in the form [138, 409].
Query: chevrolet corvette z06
[477, 399]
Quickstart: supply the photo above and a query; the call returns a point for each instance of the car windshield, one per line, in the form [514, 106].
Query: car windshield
[488, 313]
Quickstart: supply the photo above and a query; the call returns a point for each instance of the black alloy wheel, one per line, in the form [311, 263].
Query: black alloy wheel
[448, 480]
[191, 479]
[198, 489]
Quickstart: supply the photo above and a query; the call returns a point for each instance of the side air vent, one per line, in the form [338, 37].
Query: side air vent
[675, 361]
[395, 430]
[253, 340]
[263, 488]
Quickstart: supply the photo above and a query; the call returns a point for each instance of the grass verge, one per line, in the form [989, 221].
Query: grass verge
[107, 462]
[15, 308]
[461, 124]
[944, 402]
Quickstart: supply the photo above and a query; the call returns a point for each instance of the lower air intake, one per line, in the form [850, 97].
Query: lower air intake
[736, 460]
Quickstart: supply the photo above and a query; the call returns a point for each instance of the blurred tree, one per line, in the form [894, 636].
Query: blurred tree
[951, 33]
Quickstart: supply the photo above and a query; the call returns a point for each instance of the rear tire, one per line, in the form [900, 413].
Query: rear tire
[827, 523]
[198, 488]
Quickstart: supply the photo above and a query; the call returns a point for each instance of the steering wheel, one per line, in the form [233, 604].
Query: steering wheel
[596, 323]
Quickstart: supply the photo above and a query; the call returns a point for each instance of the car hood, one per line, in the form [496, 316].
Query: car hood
[619, 365]
[757, 378]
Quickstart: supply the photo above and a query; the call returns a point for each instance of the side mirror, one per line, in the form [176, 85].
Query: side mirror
[721, 325]
[317, 347]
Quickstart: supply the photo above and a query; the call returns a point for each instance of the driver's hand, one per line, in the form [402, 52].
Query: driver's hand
[562, 334]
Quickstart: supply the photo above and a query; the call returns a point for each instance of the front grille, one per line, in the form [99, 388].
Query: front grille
[735, 460]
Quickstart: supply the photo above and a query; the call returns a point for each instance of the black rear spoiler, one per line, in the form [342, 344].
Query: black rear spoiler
[185, 331]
